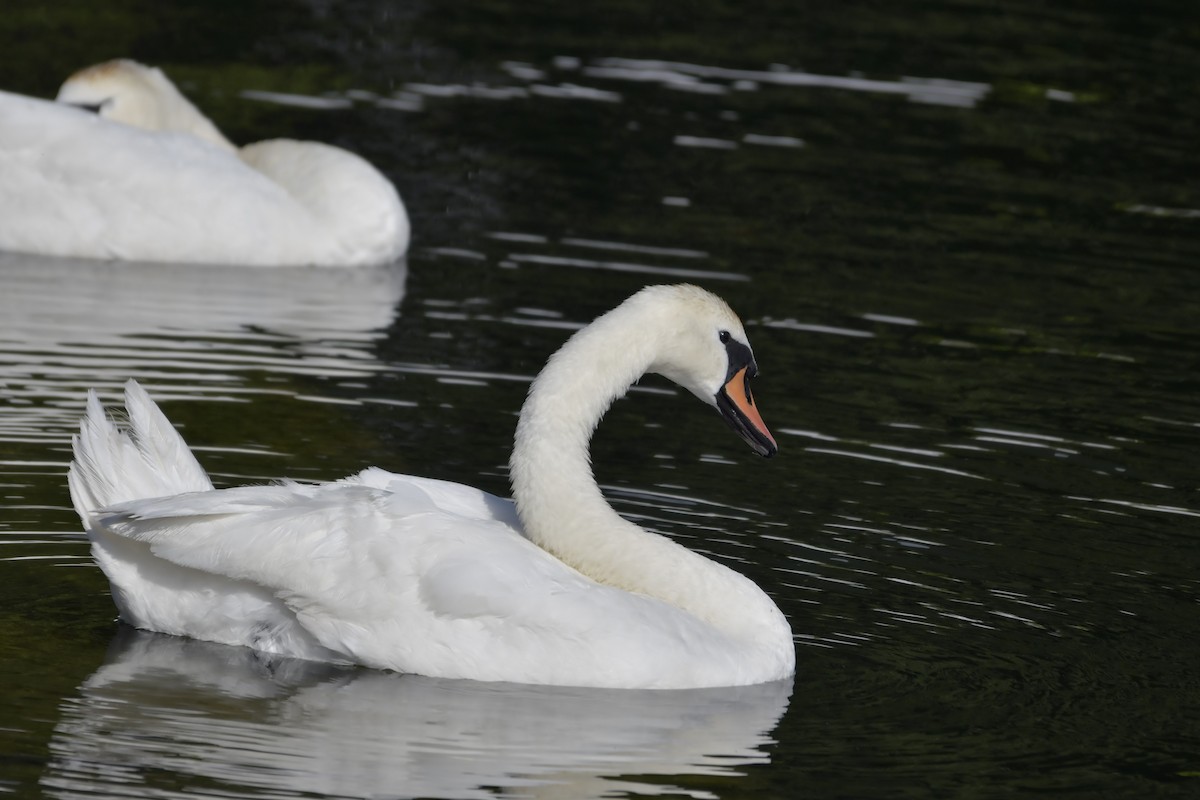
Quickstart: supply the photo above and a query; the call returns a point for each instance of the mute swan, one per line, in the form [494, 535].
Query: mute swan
[147, 177]
[440, 579]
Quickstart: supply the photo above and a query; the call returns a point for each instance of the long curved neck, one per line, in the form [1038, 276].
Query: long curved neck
[166, 109]
[147, 99]
[556, 494]
[562, 508]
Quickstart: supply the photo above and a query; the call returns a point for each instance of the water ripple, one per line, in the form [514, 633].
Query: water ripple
[194, 331]
[936, 91]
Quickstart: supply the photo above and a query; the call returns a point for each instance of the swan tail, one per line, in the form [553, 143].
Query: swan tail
[113, 466]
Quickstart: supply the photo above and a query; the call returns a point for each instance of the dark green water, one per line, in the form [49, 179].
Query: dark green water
[965, 238]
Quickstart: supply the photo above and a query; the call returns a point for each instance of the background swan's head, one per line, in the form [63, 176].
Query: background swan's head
[701, 345]
[134, 94]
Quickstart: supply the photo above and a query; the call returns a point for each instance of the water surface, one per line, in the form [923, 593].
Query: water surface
[964, 243]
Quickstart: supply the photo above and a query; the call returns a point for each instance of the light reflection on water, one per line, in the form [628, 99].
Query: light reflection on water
[676, 76]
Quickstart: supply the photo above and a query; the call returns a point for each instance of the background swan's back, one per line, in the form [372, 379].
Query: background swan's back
[78, 184]
[341, 190]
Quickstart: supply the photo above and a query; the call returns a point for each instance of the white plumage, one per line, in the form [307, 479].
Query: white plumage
[147, 177]
[425, 576]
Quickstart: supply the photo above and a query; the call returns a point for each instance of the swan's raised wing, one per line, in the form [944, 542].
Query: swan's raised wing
[453, 498]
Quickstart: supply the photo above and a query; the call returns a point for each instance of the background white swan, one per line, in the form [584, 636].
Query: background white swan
[440, 579]
[142, 175]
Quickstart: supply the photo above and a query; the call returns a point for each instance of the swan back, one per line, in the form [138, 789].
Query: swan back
[134, 94]
[77, 185]
[351, 199]
[150, 178]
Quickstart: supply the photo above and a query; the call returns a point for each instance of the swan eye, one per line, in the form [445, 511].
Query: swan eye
[724, 337]
[94, 108]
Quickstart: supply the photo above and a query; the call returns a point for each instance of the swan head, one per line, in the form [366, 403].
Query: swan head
[702, 346]
[121, 90]
[137, 95]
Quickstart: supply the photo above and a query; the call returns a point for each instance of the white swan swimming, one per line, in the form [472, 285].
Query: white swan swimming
[147, 177]
[440, 579]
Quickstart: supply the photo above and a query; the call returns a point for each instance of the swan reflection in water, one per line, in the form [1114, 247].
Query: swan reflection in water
[248, 725]
[66, 323]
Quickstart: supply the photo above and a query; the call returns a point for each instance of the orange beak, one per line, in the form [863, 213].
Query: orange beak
[736, 404]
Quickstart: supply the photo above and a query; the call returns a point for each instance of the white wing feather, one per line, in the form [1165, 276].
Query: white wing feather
[369, 570]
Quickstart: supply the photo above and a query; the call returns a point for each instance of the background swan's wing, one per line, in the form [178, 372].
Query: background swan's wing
[78, 185]
[361, 209]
